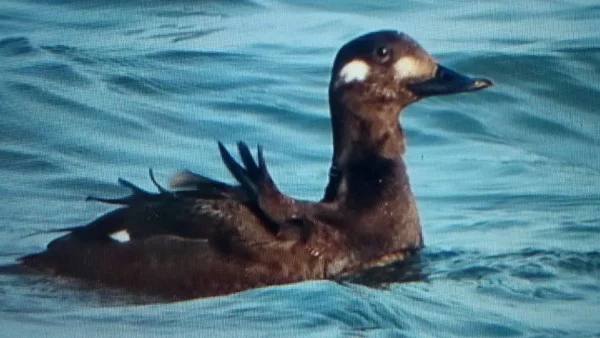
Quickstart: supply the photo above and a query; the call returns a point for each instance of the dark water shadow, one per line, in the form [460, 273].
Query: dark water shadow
[406, 271]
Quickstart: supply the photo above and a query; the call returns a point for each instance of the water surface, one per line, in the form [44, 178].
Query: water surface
[507, 180]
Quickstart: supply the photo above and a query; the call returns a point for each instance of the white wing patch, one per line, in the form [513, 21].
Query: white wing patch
[354, 71]
[409, 67]
[120, 236]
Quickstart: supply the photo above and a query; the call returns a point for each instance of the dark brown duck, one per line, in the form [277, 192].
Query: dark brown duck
[210, 238]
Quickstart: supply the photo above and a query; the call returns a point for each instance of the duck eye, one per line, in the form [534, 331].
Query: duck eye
[383, 53]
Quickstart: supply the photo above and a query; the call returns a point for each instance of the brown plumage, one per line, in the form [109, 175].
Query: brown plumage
[210, 238]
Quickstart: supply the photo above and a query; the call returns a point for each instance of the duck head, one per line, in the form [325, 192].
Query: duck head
[374, 77]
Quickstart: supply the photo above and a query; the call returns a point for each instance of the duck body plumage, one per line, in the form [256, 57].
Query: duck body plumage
[208, 238]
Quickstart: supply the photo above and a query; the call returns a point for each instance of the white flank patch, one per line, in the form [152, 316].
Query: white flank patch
[354, 71]
[120, 236]
[408, 67]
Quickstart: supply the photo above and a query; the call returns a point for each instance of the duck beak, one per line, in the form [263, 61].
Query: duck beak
[446, 81]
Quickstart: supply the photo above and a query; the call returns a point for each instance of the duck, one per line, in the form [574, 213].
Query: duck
[203, 237]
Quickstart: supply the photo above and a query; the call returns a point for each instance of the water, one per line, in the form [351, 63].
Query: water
[507, 180]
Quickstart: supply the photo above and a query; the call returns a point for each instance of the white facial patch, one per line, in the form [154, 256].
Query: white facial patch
[120, 236]
[354, 71]
[409, 67]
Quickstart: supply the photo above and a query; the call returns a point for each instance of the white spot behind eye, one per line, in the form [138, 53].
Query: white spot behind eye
[120, 236]
[353, 71]
[408, 67]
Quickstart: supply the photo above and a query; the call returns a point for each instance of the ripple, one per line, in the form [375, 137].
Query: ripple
[498, 16]
[533, 270]
[495, 201]
[184, 35]
[421, 138]
[587, 12]
[16, 46]
[473, 272]
[193, 57]
[527, 275]
[458, 122]
[40, 94]
[173, 13]
[512, 41]
[80, 187]
[556, 293]
[591, 230]
[581, 263]
[544, 126]
[409, 270]
[55, 72]
[570, 261]
[29, 163]
[134, 84]
[71, 53]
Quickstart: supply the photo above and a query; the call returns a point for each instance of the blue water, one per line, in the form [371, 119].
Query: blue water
[507, 180]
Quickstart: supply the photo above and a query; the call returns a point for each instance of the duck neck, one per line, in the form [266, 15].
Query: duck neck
[360, 136]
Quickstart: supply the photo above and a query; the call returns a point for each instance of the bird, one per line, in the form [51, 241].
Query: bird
[204, 237]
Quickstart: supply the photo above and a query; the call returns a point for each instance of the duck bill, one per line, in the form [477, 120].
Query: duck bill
[446, 81]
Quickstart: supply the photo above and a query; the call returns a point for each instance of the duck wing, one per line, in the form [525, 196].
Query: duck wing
[175, 267]
[193, 184]
[211, 207]
[256, 181]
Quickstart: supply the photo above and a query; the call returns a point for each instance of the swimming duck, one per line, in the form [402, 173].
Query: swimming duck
[207, 238]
